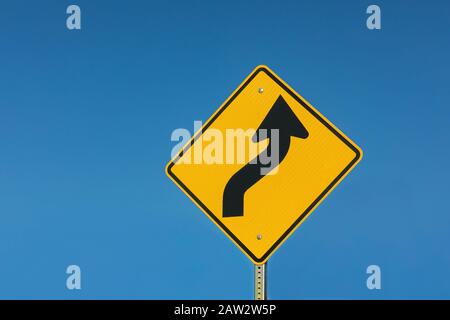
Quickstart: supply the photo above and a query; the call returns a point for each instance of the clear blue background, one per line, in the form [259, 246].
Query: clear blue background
[85, 124]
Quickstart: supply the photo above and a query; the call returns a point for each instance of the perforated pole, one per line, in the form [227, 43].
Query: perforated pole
[260, 282]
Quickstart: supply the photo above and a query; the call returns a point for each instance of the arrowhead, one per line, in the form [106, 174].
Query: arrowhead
[281, 117]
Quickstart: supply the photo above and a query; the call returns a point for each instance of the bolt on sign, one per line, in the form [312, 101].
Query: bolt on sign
[262, 163]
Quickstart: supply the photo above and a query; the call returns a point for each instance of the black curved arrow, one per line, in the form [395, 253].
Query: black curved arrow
[279, 117]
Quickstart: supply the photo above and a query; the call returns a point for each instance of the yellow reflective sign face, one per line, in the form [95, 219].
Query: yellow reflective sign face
[262, 163]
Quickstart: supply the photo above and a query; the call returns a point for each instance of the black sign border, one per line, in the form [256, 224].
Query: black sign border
[310, 207]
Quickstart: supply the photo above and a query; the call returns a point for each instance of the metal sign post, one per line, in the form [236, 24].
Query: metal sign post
[260, 282]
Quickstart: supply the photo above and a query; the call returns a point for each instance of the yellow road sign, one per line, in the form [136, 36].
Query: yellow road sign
[262, 163]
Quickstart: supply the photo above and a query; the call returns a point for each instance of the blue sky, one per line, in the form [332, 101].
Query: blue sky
[85, 124]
